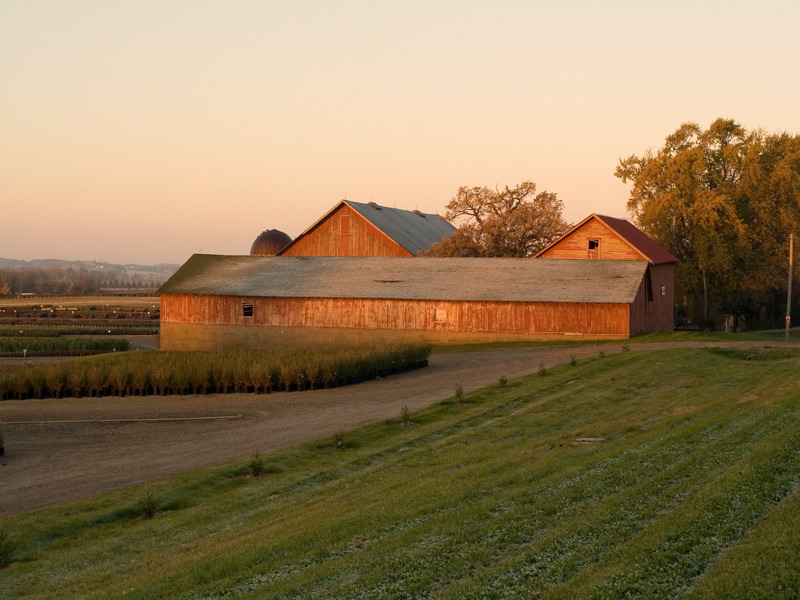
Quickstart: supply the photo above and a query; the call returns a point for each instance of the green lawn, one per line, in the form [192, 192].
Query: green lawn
[693, 493]
[774, 335]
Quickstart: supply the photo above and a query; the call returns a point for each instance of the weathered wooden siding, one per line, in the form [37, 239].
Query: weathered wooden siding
[654, 309]
[345, 232]
[576, 245]
[401, 315]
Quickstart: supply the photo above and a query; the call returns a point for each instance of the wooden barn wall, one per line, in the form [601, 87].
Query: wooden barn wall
[364, 239]
[576, 245]
[657, 314]
[520, 318]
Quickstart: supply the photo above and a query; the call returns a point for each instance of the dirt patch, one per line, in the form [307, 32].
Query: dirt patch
[58, 450]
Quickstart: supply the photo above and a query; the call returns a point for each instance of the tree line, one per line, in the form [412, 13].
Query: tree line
[724, 201]
[69, 281]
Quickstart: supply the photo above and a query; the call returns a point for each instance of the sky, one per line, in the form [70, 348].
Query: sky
[143, 131]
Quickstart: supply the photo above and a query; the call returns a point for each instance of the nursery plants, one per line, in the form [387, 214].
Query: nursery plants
[225, 371]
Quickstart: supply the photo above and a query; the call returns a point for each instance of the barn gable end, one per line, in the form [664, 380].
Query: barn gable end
[599, 237]
[357, 229]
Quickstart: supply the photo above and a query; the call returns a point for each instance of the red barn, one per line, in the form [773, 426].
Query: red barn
[357, 229]
[607, 238]
[257, 301]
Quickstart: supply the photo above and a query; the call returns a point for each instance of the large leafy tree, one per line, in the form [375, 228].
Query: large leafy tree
[508, 222]
[724, 201]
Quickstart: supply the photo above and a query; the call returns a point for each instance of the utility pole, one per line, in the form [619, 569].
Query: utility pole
[789, 289]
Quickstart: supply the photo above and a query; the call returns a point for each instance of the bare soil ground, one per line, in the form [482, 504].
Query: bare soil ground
[58, 450]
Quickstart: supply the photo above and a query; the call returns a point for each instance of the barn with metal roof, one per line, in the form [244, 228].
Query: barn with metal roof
[358, 229]
[603, 237]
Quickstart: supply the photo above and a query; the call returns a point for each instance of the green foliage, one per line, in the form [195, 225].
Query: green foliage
[542, 371]
[51, 344]
[459, 395]
[147, 505]
[724, 201]
[573, 359]
[256, 464]
[72, 331]
[405, 415]
[502, 382]
[339, 440]
[514, 222]
[695, 493]
[167, 372]
[6, 545]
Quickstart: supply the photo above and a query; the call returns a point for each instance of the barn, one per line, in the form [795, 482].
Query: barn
[277, 301]
[358, 229]
[599, 237]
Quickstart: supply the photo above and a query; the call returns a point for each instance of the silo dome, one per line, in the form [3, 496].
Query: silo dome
[269, 243]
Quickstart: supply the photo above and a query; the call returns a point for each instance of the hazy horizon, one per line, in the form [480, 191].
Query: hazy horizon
[143, 132]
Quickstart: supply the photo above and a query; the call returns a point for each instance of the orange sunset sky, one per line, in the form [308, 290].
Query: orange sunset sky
[144, 131]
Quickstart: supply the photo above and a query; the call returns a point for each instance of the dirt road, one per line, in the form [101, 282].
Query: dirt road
[59, 450]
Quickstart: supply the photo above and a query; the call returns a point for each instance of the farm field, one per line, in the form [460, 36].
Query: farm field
[659, 474]
[154, 301]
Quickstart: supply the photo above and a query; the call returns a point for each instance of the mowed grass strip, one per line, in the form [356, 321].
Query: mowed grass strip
[690, 494]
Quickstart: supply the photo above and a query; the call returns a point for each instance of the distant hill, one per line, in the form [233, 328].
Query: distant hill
[160, 270]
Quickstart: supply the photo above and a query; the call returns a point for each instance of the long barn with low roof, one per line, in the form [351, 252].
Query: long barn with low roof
[259, 301]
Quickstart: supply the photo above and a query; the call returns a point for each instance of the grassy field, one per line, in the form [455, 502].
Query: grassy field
[645, 338]
[669, 474]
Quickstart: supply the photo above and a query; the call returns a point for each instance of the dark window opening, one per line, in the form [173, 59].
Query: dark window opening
[648, 283]
[247, 310]
[594, 244]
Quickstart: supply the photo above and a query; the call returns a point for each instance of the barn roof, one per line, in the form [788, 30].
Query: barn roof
[466, 279]
[411, 229]
[647, 248]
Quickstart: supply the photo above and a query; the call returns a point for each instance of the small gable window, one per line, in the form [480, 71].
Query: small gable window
[247, 310]
[594, 244]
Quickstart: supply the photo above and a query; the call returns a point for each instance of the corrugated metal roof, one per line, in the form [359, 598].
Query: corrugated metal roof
[469, 279]
[413, 230]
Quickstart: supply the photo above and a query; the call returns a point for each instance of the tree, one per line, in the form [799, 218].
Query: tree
[505, 222]
[723, 201]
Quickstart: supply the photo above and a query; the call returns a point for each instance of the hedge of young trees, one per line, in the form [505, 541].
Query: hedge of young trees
[226, 371]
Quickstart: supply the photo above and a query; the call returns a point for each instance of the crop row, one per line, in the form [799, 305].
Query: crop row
[224, 371]
[72, 330]
[33, 345]
[6, 322]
